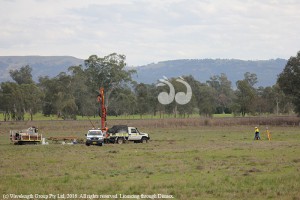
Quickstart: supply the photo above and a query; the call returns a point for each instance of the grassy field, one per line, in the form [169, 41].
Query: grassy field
[40, 116]
[202, 162]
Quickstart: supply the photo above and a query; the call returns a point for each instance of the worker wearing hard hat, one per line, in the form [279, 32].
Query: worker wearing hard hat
[256, 137]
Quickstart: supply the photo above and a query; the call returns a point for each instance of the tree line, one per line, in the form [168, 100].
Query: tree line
[73, 93]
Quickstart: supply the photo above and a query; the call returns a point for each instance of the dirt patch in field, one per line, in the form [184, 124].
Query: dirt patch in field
[254, 170]
[296, 160]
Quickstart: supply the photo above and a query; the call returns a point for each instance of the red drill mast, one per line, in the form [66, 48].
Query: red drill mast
[103, 109]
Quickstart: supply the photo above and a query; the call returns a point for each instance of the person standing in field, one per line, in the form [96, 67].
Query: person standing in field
[256, 136]
[268, 133]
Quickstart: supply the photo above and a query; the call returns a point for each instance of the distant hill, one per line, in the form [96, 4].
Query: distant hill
[201, 69]
[41, 65]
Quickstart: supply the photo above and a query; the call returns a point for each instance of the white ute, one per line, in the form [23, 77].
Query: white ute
[94, 137]
[122, 133]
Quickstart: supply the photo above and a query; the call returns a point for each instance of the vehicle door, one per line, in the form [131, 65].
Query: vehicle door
[134, 134]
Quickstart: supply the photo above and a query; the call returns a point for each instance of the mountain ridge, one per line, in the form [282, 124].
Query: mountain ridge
[41, 65]
[201, 69]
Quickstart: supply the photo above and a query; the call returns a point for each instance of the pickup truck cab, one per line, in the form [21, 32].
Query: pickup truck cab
[122, 133]
[94, 137]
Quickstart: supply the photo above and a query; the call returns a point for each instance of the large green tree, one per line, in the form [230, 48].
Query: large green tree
[246, 94]
[206, 100]
[76, 92]
[22, 76]
[32, 98]
[122, 101]
[108, 72]
[84, 98]
[142, 99]
[59, 96]
[283, 102]
[13, 101]
[289, 80]
[21, 96]
[224, 92]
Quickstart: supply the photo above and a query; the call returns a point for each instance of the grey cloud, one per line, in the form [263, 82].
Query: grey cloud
[150, 31]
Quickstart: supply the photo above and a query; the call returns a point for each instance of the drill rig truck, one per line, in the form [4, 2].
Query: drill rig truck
[119, 133]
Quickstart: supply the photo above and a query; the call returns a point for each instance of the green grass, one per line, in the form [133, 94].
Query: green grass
[40, 116]
[188, 163]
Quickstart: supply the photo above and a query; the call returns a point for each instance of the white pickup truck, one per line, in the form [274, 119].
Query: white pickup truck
[94, 137]
[122, 133]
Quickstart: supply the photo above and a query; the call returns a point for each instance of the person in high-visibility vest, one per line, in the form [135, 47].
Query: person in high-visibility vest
[268, 133]
[256, 137]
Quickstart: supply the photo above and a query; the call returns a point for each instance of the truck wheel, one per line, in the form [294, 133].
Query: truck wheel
[144, 140]
[120, 141]
[87, 144]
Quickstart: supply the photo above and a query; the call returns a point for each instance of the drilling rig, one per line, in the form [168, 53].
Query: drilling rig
[119, 133]
[102, 111]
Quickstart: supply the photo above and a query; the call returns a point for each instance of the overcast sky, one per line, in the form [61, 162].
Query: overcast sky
[149, 31]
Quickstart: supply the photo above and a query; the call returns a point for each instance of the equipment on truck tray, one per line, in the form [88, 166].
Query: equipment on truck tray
[28, 136]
